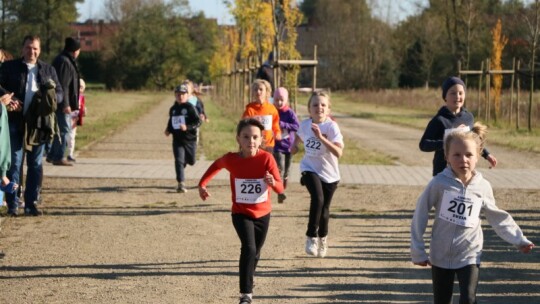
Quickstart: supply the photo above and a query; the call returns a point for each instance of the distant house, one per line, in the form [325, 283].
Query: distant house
[92, 34]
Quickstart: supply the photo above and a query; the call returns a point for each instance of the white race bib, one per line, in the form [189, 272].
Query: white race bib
[265, 120]
[460, 210]
[177, 121]
[250, 191]
[314, 147]
[284, 134]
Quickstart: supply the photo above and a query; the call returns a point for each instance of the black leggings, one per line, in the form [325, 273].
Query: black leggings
[252, 234]
[321, 196]
[443, 284]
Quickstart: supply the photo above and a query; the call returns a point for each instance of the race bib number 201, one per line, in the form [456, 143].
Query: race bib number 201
[250, 191]
[460, 210]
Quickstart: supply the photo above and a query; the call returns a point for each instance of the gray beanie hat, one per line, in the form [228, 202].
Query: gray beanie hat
[450, 82]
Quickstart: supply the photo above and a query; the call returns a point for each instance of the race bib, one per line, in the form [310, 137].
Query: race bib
[250, 191]
[265, 120]
[460, 210]
[314, 147]
[177, 121]
[285, 134]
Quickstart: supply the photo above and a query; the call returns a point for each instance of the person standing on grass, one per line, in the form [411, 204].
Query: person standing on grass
[24, 77]
[323, 145]
[253, 171]
[68, 74]
[459, 193]
[450, 116]
[182, 124]
[288, 123]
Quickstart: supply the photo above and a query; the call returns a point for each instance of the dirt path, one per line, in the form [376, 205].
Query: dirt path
[138, 241]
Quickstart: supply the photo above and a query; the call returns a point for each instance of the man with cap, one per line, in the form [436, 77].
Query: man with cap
[68, 75]
[453, 115]
[22, 78]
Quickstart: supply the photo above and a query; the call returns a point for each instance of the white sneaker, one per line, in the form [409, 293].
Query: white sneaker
[312, 245]
[323, 247]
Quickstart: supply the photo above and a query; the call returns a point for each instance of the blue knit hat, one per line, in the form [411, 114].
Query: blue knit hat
[450, 82]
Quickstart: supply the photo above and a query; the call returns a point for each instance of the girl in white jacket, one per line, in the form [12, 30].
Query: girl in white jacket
[459, 194]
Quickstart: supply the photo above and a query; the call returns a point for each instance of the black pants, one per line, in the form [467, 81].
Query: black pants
[252, 234]
[184, 154]
[443, 284]
[321, 196]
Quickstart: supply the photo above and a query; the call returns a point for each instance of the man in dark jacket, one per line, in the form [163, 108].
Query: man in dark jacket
[68, 74]
[24, 77]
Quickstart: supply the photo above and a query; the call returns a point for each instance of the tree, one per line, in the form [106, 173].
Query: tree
[533, 23]
[153, 48]
[48, 19]
[499, 42]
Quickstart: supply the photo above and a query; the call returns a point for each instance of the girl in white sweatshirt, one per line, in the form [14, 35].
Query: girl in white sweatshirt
[459, 194]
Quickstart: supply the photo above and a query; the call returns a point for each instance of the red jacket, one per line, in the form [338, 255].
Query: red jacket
[247, 173]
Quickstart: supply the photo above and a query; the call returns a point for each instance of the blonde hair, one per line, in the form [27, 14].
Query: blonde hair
[477, 134]
[256, 84]
[319, 94]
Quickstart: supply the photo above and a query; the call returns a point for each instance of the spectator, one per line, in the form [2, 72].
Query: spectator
[68, 74]
[24, 77]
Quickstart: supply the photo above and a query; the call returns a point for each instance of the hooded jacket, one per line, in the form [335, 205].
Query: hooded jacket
[456, 235]
[432, 140]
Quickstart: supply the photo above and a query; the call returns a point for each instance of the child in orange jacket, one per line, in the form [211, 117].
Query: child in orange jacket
[261, 109]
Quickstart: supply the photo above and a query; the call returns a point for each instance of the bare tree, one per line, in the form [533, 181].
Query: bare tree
[533, 24]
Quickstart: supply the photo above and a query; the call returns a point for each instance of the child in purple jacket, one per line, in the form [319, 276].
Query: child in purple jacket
[288, 122]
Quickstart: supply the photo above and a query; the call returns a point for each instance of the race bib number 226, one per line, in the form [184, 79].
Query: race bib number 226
[250, 191]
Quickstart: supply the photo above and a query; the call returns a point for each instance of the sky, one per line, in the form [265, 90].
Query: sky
[385, 9]
[93, 9]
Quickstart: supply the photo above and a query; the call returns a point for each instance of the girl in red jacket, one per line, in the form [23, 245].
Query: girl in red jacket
[253, 171]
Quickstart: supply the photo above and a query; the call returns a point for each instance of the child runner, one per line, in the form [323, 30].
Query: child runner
[182, 124]
[252, 172]
[458, 195]
[450, 116]
[76, 120]
[323, 145]
[261, 109]
[288, 123]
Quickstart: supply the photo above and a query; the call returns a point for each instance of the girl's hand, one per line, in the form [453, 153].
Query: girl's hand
[492, 161]
[183, 127]
[424, 263]
[526, 248]
[316, 130]
[4, 181]
[167, 133]
[269, 179]
[203, 193]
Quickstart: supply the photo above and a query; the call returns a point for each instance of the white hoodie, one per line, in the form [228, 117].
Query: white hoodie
[456, 238]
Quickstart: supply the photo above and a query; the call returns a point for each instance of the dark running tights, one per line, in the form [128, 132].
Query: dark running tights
[443, 284]
[319, 211]
[252, 234]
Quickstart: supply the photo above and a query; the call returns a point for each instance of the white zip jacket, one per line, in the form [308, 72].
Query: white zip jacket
[456, 237]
